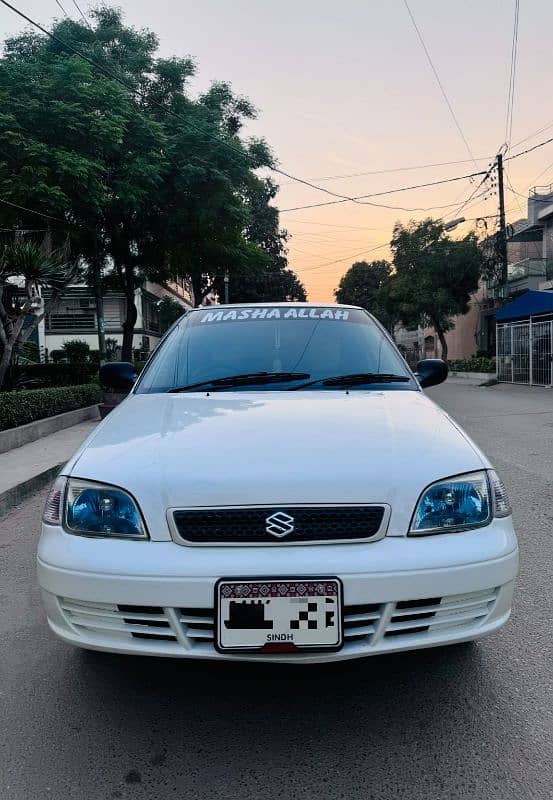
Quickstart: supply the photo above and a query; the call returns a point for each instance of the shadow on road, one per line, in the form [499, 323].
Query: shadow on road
[384, 722]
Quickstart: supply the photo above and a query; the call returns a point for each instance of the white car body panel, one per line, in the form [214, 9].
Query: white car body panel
[276, 449]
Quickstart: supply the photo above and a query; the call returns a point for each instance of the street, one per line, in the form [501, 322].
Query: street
[469, 721]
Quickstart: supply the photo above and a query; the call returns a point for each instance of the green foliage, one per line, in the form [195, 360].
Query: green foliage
[26, 268]
[19, 408]
[265, 276]
[145, 193]
[365, 284]
[474, 364]
[111, 348]
[139, 366]
[26, 353]
[50, 375]
[76, 351]
[434, 275]
[169, 311]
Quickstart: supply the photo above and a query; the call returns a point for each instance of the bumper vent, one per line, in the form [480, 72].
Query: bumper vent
[372, 626]
[279, 524]
[420, 616]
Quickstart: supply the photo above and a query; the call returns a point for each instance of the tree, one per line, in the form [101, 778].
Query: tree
[365, 284]
[169, 311]
[25, 270]
[149, 182]
[434, 275]
[266, 279]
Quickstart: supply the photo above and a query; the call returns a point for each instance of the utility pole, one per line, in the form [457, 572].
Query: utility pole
[226, 279]
[502, 228]
[99, 301]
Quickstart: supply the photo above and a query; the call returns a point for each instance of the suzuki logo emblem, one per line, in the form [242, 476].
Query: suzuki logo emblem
[279, 524]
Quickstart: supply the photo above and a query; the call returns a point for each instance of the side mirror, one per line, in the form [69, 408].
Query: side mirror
[431, 372]
[118, 375]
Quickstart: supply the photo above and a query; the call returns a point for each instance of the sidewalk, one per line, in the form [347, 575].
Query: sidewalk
[24, 470]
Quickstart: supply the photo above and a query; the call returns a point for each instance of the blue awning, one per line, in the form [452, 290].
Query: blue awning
[527, 305]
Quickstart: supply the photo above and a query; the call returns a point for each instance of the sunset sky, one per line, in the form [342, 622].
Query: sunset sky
[345, 88]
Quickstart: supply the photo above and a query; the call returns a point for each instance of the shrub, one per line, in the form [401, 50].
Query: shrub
[475, 364]
[19, 408]
[76, 351]
[139, 366]
[46, 375]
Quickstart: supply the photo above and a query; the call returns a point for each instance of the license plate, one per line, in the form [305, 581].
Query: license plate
[279, 615]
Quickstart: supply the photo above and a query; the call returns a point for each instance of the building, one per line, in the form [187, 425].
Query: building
[525, 324]
[463, 340]
[74, 316]
[530, 246]
[525, 339]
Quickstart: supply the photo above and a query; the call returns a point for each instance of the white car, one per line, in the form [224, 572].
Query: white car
[276, 486]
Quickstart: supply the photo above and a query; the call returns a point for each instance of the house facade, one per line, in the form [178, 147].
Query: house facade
[463, 340]
[525, 323]
[74, 316]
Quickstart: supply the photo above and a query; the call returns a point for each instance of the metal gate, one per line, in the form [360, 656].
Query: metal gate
[524, 352]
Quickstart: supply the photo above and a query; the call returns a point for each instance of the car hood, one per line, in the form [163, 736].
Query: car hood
[275, 448]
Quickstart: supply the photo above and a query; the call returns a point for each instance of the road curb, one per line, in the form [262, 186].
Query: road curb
[25, 434]
[16, 494]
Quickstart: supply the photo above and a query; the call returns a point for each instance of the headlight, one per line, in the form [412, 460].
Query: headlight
[454, 504]
[95, 509]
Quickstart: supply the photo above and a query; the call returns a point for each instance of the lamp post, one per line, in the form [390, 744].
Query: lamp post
[226, 279]
[449, 226]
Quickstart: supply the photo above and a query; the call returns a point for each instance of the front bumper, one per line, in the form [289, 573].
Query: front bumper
[156, 598]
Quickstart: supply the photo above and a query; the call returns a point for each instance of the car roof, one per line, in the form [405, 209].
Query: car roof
[285, 304]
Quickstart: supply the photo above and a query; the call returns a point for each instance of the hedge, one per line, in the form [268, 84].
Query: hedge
[28, 405]
[37, 376]
[480, 364]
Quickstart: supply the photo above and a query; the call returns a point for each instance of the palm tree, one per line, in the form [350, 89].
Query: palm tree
[25, 269]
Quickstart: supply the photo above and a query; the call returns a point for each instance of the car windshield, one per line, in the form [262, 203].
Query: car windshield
[276, 348]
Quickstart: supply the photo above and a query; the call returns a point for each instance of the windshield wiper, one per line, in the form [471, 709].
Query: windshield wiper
[243, 379]
[354, 379]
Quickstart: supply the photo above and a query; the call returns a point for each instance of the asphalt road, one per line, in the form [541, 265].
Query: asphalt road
[470, 721]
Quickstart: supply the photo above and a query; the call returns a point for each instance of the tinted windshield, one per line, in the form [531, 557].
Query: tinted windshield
[310, 342]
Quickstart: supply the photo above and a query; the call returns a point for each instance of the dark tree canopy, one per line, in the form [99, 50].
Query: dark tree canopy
[435, 275]
[142, 192]
[365, 285]
[169, 312]
[270, 279]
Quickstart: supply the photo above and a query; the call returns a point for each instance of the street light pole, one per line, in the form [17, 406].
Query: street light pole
[226, 279]
[99, 301]
[452, 224]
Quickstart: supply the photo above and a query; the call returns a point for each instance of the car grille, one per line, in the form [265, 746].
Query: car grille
[176, 629]
[285, 524]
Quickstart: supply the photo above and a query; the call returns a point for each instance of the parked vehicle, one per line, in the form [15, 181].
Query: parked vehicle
[278, 486]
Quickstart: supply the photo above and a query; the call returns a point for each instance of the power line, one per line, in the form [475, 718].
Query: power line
[475, 190]
[511, 187]
[330, 225]
[62, 8]
[438, 81]
[535, 133]
[219, 140]
[400, 169]
[24, 230]
[346, 258]
[547, 201]
[85, 20]
[360, 197]
[512, 76]
[373, 205]
[517, 155]
[30, 210]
